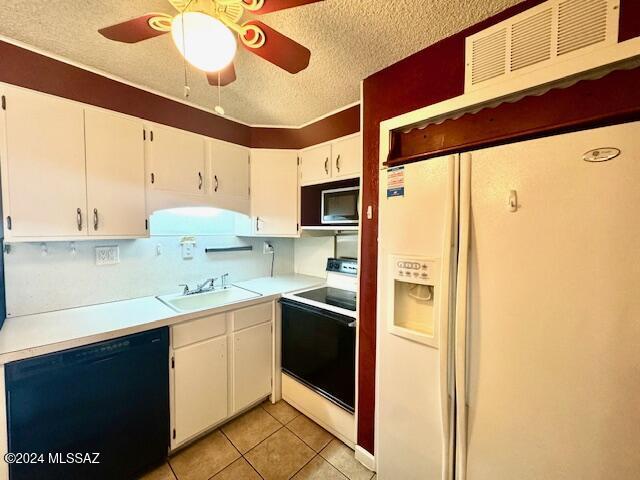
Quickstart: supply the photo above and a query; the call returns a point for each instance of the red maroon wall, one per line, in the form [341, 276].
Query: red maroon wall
[427, 77]
[629, 19]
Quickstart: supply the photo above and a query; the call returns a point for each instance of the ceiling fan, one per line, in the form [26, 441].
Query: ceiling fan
[203, 32]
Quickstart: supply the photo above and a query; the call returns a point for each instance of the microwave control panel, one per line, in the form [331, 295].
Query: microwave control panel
[419, 270]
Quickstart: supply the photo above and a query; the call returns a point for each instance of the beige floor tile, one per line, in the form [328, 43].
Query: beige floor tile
[205, 458]
[282, 411]
[163, 472]
[342, 457]
[310, 432]
[375, 477]
[238, 470]
[250, 429]
[319, 469]
[280, 456]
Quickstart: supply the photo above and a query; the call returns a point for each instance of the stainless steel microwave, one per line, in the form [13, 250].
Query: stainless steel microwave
[340, 206]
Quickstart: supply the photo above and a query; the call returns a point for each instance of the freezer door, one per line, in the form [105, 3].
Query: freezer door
[552, 382]
[414, 383]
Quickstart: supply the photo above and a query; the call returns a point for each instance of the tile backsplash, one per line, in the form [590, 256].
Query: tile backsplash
[62, 275]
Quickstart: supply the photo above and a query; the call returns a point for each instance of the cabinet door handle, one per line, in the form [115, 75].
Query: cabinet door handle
[199, 180]
[79, 219]
[326, 165]
[257, 224]
[95, 219]
[215, 177]
[338, 163]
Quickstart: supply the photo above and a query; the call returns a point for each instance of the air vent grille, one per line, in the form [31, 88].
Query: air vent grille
[538, 38]
[581, 23]
[489, 59]
[531, 40]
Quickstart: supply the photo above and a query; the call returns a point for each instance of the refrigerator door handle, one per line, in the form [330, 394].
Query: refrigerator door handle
[444, 322]
[462, 292]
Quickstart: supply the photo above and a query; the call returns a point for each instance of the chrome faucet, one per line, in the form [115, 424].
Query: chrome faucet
[211, 282]
[208, 285]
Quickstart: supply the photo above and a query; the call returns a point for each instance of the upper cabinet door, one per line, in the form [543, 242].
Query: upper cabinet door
[176, 160]
[115, 174]
[43, 166]
[347, 157]
[229, 170]
[274, 192]
[315, 165]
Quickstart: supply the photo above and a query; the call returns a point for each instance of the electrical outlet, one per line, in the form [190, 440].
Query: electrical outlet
[188, 245]
[267, 248]
[107, 255]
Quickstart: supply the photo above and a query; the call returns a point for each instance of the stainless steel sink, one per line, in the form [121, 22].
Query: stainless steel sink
[204, 301]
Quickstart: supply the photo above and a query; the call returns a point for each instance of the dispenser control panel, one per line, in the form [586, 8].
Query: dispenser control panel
[418, 270]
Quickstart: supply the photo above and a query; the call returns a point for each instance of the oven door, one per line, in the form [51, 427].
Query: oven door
[319, 350]
[340, 206]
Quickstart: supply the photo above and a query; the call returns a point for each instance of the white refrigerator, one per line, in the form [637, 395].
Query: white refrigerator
[509, 312]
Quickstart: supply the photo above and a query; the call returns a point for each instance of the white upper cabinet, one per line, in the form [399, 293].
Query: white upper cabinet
[347, 157]
[315, 164]
[176, 160]
[43, 166]
[229, 177]
[331, 161]
[274, 192]
[115, 174]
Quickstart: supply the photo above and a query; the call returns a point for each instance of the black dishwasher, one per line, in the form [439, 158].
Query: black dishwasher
[109, 398]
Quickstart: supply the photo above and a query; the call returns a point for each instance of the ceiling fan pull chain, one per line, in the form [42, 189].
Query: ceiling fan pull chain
[218, 107]
[187, 89]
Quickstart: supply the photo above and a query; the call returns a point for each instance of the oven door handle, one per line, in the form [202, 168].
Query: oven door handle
[330, 315]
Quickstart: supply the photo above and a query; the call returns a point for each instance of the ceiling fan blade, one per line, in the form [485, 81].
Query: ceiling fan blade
[138, 29]
[280, 49]
[227, 76]
[276, 5]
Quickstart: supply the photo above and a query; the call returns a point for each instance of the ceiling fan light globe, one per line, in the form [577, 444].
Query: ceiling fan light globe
[204, 41]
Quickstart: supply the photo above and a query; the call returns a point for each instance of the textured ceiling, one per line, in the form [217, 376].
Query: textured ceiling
[349, 40]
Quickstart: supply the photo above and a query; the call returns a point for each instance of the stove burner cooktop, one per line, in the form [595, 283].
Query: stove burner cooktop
[336, 297]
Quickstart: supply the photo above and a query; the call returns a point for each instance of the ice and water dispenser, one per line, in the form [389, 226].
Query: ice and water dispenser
[414, 306]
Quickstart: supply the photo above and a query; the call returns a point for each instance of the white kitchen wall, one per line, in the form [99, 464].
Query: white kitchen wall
[311, 254]
[60, 278]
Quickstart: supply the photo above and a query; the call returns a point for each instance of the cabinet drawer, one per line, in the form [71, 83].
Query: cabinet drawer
[198, 330]
[250, 316]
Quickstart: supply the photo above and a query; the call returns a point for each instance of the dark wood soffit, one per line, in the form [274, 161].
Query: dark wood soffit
[34, 71]
[629, 20]
[589, 103]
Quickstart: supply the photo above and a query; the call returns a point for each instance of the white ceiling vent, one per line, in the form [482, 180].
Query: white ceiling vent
[539, 38]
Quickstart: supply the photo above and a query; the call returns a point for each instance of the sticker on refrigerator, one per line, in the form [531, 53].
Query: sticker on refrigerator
[395, 182]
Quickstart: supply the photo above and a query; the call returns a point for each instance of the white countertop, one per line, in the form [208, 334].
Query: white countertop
[282, 284]
[31, 335]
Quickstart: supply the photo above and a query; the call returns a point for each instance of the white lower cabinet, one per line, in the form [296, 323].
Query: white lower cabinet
[221, 364]
[252, 370]
[200, 376]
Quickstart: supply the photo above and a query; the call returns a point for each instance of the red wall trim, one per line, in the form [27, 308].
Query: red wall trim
[35, 71]
[334, 126]
[613, 98]
[629, 20]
